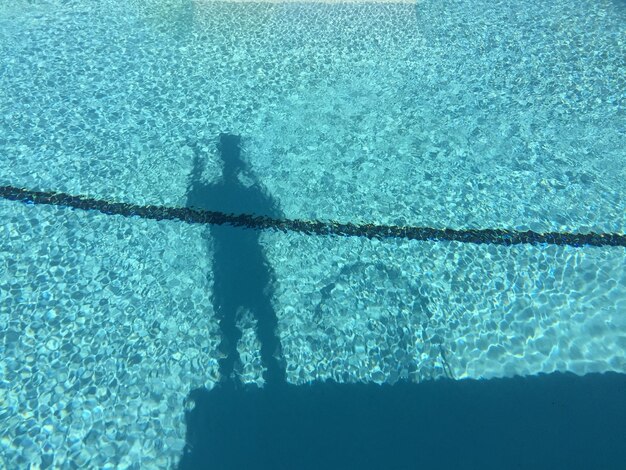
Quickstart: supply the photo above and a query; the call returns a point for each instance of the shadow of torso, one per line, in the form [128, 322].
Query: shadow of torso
[241, 271]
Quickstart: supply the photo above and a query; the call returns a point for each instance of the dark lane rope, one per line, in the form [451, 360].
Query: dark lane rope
[196, 216]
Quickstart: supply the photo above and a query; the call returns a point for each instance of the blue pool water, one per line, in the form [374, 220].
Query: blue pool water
[464, 115]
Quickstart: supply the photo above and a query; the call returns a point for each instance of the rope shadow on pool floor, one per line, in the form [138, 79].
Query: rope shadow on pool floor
[322, 228]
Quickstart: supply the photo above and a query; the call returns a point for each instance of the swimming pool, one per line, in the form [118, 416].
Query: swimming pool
[464, 115]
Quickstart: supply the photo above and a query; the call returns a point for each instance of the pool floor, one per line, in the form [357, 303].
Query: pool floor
[463, 117]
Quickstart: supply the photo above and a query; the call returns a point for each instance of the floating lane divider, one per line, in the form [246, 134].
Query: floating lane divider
[198, 216]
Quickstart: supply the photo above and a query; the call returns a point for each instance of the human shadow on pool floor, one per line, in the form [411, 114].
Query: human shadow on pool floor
[243, 279]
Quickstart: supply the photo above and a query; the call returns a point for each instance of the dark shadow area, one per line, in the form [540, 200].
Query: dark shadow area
[243, 279]
[558, 421]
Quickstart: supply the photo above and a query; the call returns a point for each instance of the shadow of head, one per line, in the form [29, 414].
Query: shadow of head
[230, 151]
